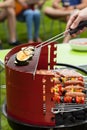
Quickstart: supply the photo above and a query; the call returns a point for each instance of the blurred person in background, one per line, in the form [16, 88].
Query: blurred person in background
[29, 12]
[7, 11]
[62, 9]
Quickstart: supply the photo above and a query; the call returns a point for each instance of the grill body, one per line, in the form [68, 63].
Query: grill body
[25, 91]
[27, 106]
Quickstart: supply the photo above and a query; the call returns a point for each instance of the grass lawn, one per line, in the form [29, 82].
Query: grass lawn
[45, 33]
[48, 29]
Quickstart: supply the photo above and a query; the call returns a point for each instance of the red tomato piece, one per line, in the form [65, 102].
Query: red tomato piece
[80, 78]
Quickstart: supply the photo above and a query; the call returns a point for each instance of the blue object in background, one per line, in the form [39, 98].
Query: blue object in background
[71, 2]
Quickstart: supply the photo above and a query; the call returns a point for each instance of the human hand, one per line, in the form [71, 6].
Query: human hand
[75, 19]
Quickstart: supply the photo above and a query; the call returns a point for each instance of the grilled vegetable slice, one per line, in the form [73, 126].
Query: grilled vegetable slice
[23, 57]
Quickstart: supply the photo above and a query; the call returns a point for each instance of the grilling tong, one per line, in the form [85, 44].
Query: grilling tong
[61, 35]
[49, 41]
[53, 39]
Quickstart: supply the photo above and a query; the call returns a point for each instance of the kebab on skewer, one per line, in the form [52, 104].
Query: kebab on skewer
[69, 87]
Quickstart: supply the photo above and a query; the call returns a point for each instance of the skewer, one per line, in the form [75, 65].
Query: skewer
[73, 105]
[68, 108]
[85, 78]
[85, 89]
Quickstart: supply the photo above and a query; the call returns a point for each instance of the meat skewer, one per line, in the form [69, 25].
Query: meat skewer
[68, 99]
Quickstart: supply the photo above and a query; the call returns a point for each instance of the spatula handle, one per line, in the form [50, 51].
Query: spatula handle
[79, 27]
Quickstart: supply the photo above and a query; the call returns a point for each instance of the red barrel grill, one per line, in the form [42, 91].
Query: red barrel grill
[29, 96]
[25, 92]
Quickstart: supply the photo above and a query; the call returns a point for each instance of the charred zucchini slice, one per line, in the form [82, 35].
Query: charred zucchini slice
[21, 63]
[23, 57]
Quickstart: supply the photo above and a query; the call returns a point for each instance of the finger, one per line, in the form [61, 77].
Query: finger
[81, 31]
[73, 35]
[84, 29]
[72, 18]
[76, 22]
[78, 32]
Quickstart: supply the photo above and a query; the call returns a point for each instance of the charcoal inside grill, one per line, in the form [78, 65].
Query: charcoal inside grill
[79, 115]
[59, 119]
[85, 110]
[70, 118]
